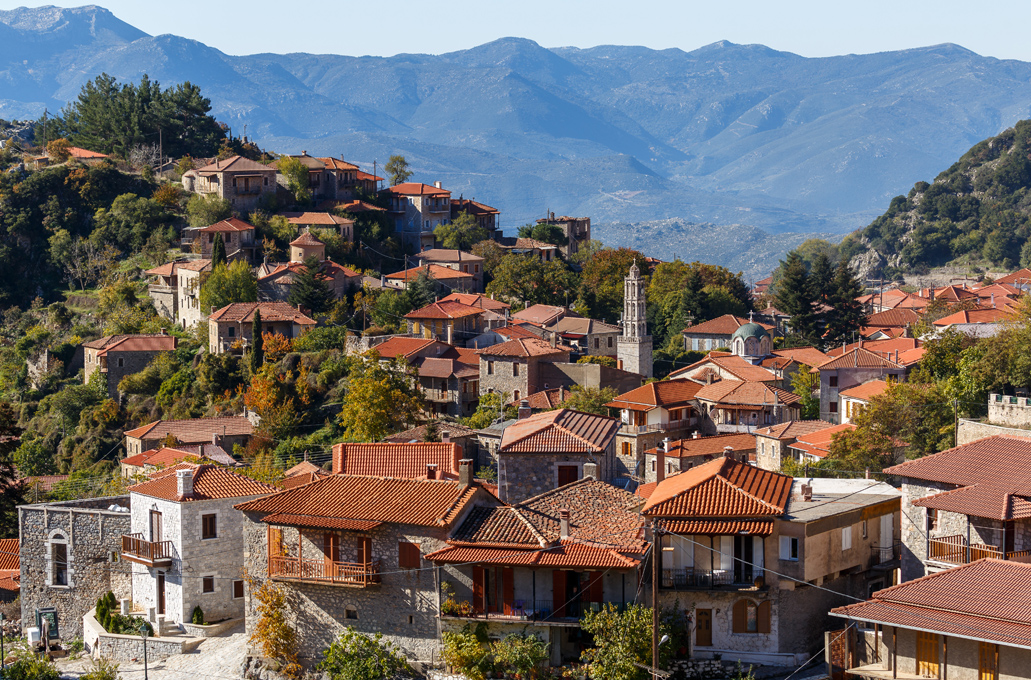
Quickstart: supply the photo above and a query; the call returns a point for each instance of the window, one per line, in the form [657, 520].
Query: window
[751, 617]
[350, 613]
[515, 396]
[932, 519]
[626, 449]
[209, 526]
[207, 584]
[237, 590]
[789, 548]
[232, 332]
[863, 524]
[515, 369]
[988, 664]
[597, 343]
[59, 560]
[834, 381]
[490, 368]
[834, 407]
[610, 341]
[846, 538]
[408, 555]
[121, 362]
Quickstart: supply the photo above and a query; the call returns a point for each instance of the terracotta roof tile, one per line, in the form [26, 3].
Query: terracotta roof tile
[523, 347]
[473, 207]
[417, 433]
[1019, 277]
[711, 446]
[294, 481]
[445, 310]
[233, 164]
[446, 255]
[416, 189]
[882, 347]
[434, 271]
[893, 318]
[545, 400]
[231, 224]
[565, 555]
[445, 367]
[336, 163]
[721, 325]
[793, 429]
[991, 315]
[732, 364]
[243, 312]
[810, 356]
[818, 443]
[403, 347]
[578, 325]
[376, 499]
[541, 315]
[209, 482]
[720, 488]
[315, 218]
[866, 391]
[194, 431]
[477, 300]
[755, 527]
[745, 393]
[303, 467]
[664, 393]
[403, 461]
[560, 431]
[860, 357]
[9, 554]
[514, 332]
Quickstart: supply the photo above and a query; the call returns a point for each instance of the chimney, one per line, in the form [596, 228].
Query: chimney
[445, 437]
[214, 439]
[437, 184]
[993, 300]
[660, 463]
[563, 523]
[164, 331]
[554, 340]
[184, 483]
[465, 472]
[591, 470]
[728, 452]
[807, 491]
[695, 434]
[431, 470]
[524, 409]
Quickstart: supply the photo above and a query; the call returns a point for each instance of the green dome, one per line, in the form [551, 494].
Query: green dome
[750, 330]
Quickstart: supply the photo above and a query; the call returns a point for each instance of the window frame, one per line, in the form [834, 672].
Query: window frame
[789, 548]
[243, 592]
[409, 555]
[846, 538]
[205, 579]
[204, 536]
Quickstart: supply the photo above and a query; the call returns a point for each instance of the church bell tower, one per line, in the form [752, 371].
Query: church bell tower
[634, 347]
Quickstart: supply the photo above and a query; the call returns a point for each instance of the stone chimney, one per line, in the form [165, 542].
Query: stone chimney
[431, 470]
[660, 463]
[728, 452]
[184, 483]
[214, 439]
[465, 472]
[695, 434]
[563, 523]
[554, 340]
[445, 437]
[807, 491]
[524, 409]
[591, 470]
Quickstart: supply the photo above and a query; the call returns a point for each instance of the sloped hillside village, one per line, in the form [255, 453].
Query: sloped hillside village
[368, 414]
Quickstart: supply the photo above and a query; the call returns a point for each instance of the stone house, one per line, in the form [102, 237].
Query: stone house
[322, 220]
[718, 366]
[855, 399]
[542, 315]
[545, 252]
[486, 217]
[743, 547]
[714, 333]
[514, 367]
[1009, 411]
[116, 356]
[10, 569]
[186, 542]
[650, 413]
[447, 280]
[964, 504]
[540, 564]
[673, 457]
[226, 431]
[349, 551]
[457, 260]
[241, 181]
[402, 460]
[478, 300]
[555, 374]
[967, 622]
[577, 231]
[189, 277]
[467, 439]
[411, 349]
[416, 210]
[237, 236]
[451, 322]
[163, 291]
[233, 323]
[771, 443]
[450, 385]
[153, 460]
[69, 558]
[848, 370]
[549, 450]
[739, 406]
[813, 447]
[276, 280]
[586, 336]
[341, 179]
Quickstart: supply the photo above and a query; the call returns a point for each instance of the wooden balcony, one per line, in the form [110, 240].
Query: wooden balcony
[321, 570]
[954, 550]
[148, 553]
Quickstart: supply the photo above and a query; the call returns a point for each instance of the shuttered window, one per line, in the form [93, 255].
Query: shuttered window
[408, 555]
[751, 617]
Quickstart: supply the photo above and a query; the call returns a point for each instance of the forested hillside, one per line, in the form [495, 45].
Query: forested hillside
[978, 212]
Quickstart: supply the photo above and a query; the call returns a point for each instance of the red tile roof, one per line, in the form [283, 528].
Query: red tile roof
[1021, 276]
[473, 207]
[434, 271]
[738, 392]
[306, 239]
[303, 467]
[445, 310]
[721, 488]
[717, 527]
[209, 482]
[159, 457]
[818, 443]
[560, 431]
[730, 363]
[664, 393]
[10, 580]
[403, 461]
[403, 347]
[860, 357]
[243, 312]
[477, 300]
[300, 479]
[949, 293]
[866, 391]
[337, 164]
[562, 556]
[445, 367]
[85, 154]
[893, 318]
[540, 315]
[985, 600]
[316, 218]
[882, 347]
[545, 400]
[793, 429]
[227, 225]
[454, 430]
[992, 315]
[523, 347]
[991, 472]
[810, 356]
[513, 332]
[141, 343]
[9, 554]
[376, 499]
[194, 431]
[721, 325]
[707, 446]
[447, 255]
[233, 164]
[416, 189]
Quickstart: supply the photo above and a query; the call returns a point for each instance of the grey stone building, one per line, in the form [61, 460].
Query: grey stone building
[514, 367]
[771, 443]
[551, 449]
[69, 557]
[230, 328]
[634, 347]
[851, 369]
[349, 551]
[186, 541]
[577, 231]
[117, 356]
[236, 179]
[225, 431]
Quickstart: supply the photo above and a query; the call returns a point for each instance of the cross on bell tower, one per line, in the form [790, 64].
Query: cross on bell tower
[634, 347]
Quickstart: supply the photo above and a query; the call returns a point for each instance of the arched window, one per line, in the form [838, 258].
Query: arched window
[57, 554]
[751, 617]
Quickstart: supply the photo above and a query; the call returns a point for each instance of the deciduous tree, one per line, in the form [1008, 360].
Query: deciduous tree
[460, 233]
[226, 285]
[382, 397]
[397, 169]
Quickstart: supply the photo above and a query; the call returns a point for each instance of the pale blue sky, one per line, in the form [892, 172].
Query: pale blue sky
[807, 27]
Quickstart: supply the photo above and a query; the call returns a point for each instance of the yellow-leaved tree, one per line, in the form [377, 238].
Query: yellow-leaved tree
[382, 397]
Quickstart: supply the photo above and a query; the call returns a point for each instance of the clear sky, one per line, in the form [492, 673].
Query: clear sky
[811, 28]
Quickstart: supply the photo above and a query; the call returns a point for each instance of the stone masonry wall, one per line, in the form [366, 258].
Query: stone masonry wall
[972, 430]
[1009, 411]
[525, 475]
[502, 380]
[94, 536]
[131, 362]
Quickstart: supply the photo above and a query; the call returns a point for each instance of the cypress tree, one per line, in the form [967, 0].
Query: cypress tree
[795, 298]
[218, 251]
[847, 315]
[257, 343]
[310, 289]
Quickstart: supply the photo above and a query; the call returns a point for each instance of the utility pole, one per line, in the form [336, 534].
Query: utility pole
[656, 571]
[955, 422]
[161, 149]
[44, 126]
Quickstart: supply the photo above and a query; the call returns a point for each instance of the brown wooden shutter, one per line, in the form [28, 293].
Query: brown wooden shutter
[507, 589]
[764, 614]
[558, 592]
[594, 589]
[740, 617]
[408, 555]
[478, 589]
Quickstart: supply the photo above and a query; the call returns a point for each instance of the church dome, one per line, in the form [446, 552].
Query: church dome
[750, 330]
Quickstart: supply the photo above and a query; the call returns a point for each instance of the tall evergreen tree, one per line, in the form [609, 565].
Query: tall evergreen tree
[310, 289]
[821, 279]
[12, 494]
[847, 314]
[257, 343]
[421, 292]
[795, 298]
[218, 251]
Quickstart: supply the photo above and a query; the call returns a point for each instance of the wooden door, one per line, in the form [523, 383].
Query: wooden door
[479, 578]
[364, 549]
[558, 592]
[155, 526]
[507, 590]
[567, 474]
[331, 552]
[161, 592]
[927, 654]
[988, 662]
[703, 628]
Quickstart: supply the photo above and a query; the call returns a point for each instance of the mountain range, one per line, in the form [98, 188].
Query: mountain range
[723, 135]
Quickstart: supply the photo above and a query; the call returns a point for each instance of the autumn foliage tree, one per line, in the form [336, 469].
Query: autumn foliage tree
[382, 397]
[273, 633]
[601, 282]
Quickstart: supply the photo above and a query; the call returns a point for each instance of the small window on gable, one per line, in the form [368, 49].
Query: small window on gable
[834, 381]
[408, 555]
[121, 362]
[788, 548]
[209, 526]
[515, 368]
[232, 332]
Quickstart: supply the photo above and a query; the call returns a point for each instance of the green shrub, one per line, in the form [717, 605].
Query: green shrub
[198, 616]
[101, 669]
[356, 656]
[32, 668]
[464, 653]
[521, 653]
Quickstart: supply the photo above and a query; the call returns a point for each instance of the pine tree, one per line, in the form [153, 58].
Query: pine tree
[257, 343]
[821, 279]
[421, 292]
[432, 433]
[795, 298]
[218, 251]
[310, 289]
[847, 315]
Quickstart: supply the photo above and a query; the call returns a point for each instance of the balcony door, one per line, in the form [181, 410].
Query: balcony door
[155, 526]
[161, 592]
[331, 551]
[364, 549]
[744, 558]
[927, 654]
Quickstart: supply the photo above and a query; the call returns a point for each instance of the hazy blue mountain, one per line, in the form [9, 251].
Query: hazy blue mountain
[725, 134]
